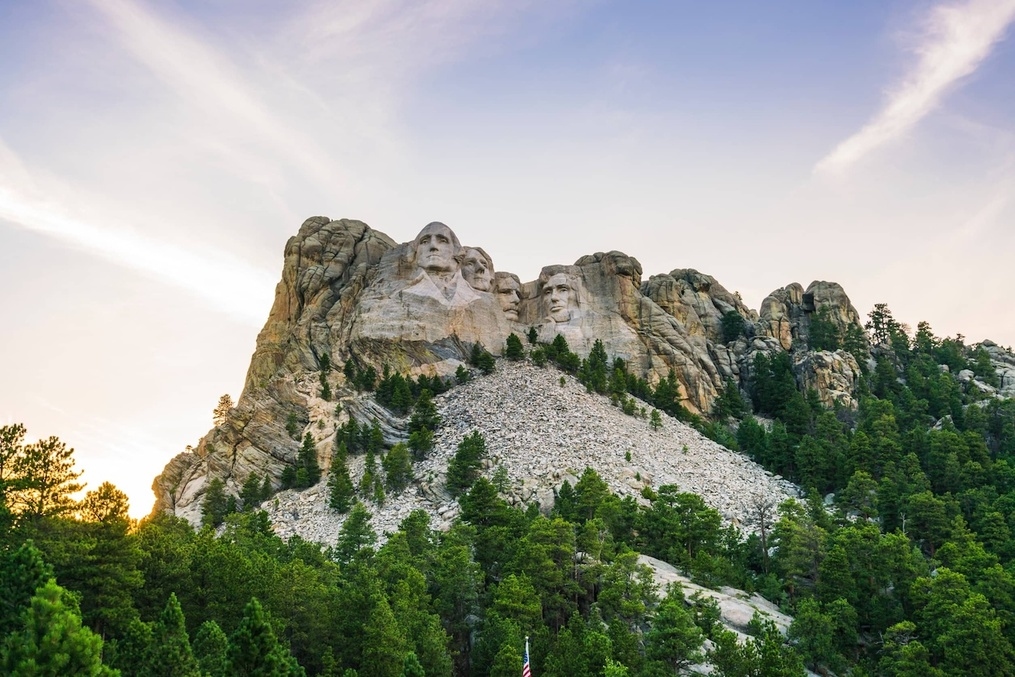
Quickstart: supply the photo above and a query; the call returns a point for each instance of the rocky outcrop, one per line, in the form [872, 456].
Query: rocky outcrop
[736, 607]
[348, 292]
[781, 315]
[786, 313]
[1003, 361]
[835, 376]
[697, 301]
[326, 267]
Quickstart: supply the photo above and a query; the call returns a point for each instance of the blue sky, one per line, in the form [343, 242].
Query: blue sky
[155, 157]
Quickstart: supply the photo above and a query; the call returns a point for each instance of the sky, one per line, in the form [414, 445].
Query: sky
[156, 156]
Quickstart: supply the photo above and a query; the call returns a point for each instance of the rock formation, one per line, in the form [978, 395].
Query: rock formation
[349, 292]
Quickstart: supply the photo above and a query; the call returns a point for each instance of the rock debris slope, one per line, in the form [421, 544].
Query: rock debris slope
[543, 433]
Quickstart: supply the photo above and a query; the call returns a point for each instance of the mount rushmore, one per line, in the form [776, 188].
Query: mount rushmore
[349, 292]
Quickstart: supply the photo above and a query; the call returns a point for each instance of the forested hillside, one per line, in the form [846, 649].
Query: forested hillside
[897, 562]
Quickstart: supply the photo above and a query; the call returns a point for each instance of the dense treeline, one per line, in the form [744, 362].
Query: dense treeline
[159, 597]
[908, 569]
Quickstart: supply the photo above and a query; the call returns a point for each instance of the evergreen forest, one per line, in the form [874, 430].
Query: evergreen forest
[898, 560]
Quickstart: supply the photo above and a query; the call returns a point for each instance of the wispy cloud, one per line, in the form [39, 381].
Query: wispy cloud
[208, 82]
[403, 37]
[956, 40]
[210, 276]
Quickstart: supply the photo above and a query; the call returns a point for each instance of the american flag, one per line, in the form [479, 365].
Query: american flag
[526, 670]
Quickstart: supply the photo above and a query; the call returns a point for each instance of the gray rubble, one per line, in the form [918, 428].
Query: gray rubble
[542, 433]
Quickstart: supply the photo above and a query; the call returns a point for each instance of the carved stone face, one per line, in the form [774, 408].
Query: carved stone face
[436, 247]
[558, 297]
[509, 295]
[476, 270]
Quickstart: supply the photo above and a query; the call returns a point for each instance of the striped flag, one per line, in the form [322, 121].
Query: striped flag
[526, 670]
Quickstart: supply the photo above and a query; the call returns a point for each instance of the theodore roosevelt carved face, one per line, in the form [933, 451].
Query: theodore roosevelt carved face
[509, 294]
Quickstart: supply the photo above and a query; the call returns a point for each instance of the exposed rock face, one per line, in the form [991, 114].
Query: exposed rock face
[697, 300]
[350, 292]
[786, 313]
[736, 607]
[831, 298]
[1004, 364]
[325, 268]
[781, 314]
[834, 375]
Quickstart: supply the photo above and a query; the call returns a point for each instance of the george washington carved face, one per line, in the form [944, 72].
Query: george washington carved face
[435, 249]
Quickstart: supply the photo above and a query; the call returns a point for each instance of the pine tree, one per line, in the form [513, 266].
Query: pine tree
[250, 494]
[464, 467]
[595, 369]
[53, 642]
[823, 333]
[507, 662]
[424, 413]
[421, 443]
[221, 412]
[514, 349]
[47, 479]
[481, 359]
[340, 488]
[655, 420]
[254, 650]
[107, 573]
[306, 461]
[211, 647]
[397, 467]
[355, 534]
[411, 666]
[673, 639]
[733, 326]
[22, 572]
[214, 507]
[170, 654]
[384, 646]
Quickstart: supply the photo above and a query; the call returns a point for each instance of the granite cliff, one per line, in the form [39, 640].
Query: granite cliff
[350, 293]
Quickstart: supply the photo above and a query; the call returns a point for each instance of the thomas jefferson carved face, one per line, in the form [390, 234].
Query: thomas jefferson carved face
[509, 294]
[558, 297]
[477, 269]
[436, 247]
